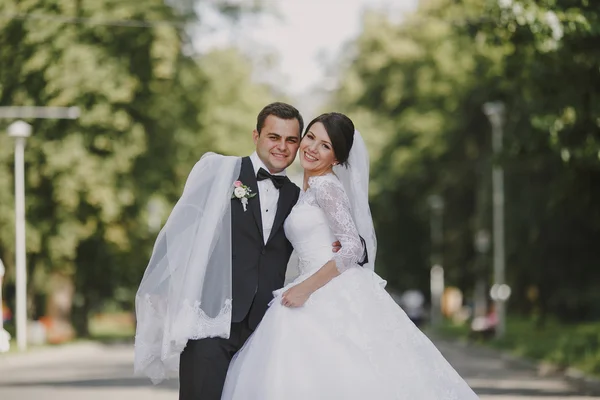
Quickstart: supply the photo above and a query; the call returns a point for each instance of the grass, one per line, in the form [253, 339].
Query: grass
[564, 345]
[112, 328]
[105, 328]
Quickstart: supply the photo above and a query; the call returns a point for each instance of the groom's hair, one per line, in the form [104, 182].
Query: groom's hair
[279, 110]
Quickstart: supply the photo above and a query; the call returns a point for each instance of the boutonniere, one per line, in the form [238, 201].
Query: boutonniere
[242, 192]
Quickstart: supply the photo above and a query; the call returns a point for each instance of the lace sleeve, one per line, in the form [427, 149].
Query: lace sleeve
[332, 199]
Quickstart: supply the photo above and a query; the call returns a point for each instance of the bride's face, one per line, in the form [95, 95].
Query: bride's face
[316, 151]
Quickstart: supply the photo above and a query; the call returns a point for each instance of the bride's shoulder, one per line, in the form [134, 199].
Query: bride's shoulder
[325, 183]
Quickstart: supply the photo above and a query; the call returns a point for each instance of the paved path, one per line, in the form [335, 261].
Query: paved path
[78, 372]
[95, 372]
[495, 378]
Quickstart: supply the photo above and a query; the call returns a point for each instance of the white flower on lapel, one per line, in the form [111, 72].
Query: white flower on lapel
[243, 193]
[239, 192]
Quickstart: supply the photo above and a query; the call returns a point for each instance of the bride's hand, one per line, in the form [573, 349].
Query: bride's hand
[295, 296]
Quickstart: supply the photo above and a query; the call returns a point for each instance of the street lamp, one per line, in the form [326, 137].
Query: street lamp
[4, 336]
[436, 204]
[20, 130]
[495, 112]
[482, 246]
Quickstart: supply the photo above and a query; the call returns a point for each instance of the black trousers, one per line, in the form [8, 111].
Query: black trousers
[203, 364]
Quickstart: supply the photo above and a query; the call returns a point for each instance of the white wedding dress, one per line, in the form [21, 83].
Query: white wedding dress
[350, 340]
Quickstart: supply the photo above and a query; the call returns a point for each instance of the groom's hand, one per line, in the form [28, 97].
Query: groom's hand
[337, 246]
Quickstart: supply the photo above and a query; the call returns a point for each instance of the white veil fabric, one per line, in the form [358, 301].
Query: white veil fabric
[186, 290]
[355, 179]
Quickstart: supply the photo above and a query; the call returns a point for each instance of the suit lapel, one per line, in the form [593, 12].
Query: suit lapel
[248, 178]
[284, 203]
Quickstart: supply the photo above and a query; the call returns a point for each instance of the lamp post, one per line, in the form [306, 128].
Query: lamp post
[436, 205]
[20, 130]
[482, 246]
[495, 113]
[4, 336]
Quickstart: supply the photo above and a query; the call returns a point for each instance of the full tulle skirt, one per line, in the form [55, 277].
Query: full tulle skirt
[349, 341]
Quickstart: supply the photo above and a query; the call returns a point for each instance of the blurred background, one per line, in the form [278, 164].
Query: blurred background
[482, 119]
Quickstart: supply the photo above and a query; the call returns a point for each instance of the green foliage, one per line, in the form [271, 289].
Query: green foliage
[232, 104]
[149, 110]
[84, 197]
[420, 86]
[581, 349]
[563, 345]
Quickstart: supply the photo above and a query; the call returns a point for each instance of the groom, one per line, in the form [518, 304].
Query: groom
[260, 250]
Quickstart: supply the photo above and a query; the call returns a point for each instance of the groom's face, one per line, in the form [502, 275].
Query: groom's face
[277, 142]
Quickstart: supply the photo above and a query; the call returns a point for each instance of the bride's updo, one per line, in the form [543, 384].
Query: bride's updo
[340, 129]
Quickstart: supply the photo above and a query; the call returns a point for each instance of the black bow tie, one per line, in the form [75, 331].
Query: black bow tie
[278, 180]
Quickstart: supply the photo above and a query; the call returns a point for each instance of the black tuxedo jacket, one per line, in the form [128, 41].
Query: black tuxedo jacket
[258, 268]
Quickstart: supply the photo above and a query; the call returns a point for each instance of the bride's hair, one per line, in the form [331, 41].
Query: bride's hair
[340, 130]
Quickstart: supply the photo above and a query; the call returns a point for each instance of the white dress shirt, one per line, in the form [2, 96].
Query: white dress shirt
[268, 195]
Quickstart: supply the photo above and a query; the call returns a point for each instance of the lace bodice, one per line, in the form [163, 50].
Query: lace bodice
[322, 216]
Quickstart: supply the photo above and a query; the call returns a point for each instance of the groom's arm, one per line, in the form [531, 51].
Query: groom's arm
[337, 246]
[365, 256]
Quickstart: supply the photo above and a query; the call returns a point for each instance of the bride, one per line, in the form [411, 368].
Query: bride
[335, 333]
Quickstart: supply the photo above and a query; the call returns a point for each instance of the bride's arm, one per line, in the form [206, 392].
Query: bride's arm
[335, 204]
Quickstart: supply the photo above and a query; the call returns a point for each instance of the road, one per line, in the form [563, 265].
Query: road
[96, 372]
[495, 378]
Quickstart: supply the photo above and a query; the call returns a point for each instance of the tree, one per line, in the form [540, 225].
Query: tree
[231, 104]
[422, 84]
[94, 184]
